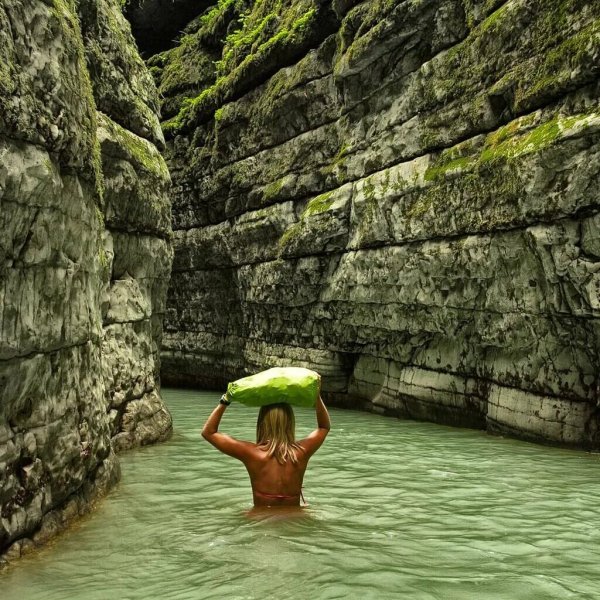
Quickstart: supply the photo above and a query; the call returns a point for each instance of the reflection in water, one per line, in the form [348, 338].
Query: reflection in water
[397, 509]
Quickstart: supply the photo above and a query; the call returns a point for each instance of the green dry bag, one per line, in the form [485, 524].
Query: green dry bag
[294, 385]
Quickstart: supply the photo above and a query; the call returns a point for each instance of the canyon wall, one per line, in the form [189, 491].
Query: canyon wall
[85, 254]
[401, 194]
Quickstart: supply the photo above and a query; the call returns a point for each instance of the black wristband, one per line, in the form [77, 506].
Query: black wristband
[224, 400]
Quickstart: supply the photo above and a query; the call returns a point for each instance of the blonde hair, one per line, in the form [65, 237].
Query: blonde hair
[275, 430]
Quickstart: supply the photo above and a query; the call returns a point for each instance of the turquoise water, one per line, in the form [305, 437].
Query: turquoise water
[398, 509]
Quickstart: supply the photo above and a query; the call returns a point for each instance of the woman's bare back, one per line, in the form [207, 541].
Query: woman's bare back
[273, 483]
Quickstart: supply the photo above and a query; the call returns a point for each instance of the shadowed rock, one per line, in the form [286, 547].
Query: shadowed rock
[85, 256]
[156, 24]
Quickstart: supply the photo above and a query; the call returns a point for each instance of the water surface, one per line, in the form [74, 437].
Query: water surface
[397, 509]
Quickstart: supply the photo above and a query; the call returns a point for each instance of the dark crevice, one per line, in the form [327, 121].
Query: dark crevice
[157, 24]
[138, 232]
[50, 350]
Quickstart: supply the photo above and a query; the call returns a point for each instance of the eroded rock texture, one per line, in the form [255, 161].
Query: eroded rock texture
[400, 194]
[84, 261]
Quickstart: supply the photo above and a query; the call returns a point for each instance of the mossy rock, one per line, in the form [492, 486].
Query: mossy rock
[263, 40]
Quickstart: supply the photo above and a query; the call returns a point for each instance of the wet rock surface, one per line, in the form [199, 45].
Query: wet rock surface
[401, 195]
[85, 254]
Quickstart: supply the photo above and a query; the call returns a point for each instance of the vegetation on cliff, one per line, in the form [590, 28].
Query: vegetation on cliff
[352, 200]
[261, 37]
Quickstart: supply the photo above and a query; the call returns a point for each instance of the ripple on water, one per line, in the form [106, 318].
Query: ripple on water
[396, 509]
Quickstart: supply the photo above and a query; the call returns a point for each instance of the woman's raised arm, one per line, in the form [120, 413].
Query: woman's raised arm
[225, 443]
[313, 442]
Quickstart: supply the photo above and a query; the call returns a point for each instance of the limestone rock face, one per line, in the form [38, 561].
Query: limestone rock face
[406, 201]
[85, 255]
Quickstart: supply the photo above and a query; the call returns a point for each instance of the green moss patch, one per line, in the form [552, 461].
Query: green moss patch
[272, 190]
[477, 11]
[535, 53]
[489, 174]
[255, 42]
[436, 172]
[290, 234]
[557, 69]
[319, 204]
[520, 137]
[497, 147]
[64, 11]
[139, 151]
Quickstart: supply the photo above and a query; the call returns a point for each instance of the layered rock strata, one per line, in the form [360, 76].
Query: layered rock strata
[84, 261]
[400, 194]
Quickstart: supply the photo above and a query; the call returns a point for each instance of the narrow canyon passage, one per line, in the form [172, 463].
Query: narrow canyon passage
[402, 195]
[427, 512]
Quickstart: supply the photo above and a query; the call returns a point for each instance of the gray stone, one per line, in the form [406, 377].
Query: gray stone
[84, 260]
[409, 206]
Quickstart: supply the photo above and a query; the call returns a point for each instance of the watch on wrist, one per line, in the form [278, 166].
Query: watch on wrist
[224, 400]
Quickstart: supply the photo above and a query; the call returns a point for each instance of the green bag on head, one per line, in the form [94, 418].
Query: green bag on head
[294, 385]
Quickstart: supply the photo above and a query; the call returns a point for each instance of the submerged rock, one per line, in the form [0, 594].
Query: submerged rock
[85, 255]
[401, 195]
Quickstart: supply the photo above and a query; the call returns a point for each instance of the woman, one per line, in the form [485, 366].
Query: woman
[276, 463]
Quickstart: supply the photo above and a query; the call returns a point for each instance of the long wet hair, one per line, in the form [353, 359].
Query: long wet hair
[275, 429]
